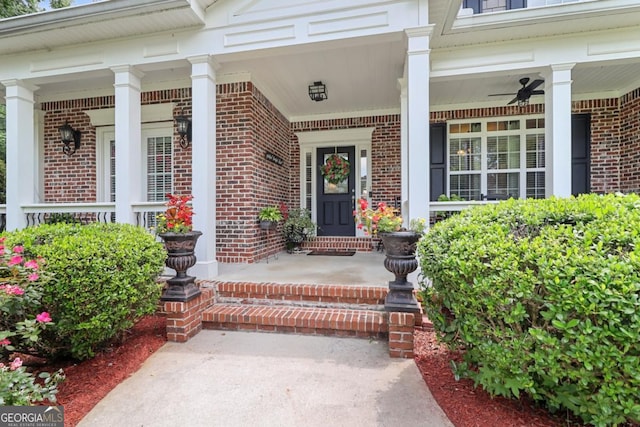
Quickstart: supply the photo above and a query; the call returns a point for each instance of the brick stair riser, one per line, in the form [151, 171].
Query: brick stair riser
[310, 321]
[350, 295]
[291, 303]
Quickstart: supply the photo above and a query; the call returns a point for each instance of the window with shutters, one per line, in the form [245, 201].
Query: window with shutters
[497, 158]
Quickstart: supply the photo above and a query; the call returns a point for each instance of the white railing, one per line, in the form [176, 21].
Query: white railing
[442, 210]
[86, 212]
[69, 212]
[146, 213]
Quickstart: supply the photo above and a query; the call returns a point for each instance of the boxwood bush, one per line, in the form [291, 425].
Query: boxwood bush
[543, 298]
[103, 280]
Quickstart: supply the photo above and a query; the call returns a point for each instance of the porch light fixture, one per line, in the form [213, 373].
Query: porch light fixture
[318, 91]
[70, 138]
[183, 124]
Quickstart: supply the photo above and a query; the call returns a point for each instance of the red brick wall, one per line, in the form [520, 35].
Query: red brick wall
[249, 126]
[73, 179]
[630, 142]
[385, 152]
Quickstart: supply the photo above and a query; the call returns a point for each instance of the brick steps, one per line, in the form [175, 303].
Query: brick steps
[319, 295]
[335, 310]
[299, 320]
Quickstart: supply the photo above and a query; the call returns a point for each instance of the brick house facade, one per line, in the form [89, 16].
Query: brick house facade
[241, 71]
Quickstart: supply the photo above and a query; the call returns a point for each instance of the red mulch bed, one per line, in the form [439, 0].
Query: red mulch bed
[88, 382]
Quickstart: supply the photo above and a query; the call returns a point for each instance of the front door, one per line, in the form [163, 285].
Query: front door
[336, 199]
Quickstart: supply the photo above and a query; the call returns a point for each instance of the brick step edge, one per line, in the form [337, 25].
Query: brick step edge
[298, 320]
[303, 303]
[342, 294]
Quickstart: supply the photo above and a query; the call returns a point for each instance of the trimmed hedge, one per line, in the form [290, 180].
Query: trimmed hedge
[104, 280]
[543, 296]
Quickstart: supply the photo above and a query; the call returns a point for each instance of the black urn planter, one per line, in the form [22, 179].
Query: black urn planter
[180, 257]
[400, 249]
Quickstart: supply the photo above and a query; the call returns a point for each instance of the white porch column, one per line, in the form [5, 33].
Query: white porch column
[203, 170]
[418, 68]
[558, 130]
[128, 142]
[21, 151]
[404, 151]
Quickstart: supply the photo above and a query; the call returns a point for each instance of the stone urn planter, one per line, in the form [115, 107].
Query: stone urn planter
[400, 249]
[180, 257]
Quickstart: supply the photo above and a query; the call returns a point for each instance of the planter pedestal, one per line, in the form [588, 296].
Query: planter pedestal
[400, 248]
[180, 257]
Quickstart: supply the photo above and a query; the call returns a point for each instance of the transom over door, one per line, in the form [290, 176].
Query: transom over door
[335, 202]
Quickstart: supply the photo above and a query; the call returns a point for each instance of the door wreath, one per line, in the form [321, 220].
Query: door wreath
[335, 169]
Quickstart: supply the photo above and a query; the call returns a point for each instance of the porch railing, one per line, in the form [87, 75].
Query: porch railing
[3, 217]
[441, 210]
[84, 213]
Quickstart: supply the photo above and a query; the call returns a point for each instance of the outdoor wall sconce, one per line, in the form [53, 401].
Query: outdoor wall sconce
[318, 91]
[70, 138]
[183, 124]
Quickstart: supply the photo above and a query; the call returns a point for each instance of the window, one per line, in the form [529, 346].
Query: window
[157, 167]
[497, 158]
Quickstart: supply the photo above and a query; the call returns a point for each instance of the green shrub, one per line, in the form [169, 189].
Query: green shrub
[104, 280]
[543, 296]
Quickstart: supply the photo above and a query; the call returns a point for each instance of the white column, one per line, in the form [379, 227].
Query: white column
[203, 170]
[128, 142]
[21, 151]
[404, 151]
[558, 130]
[418, 121]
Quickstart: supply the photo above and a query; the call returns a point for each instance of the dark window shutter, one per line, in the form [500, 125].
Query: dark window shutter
[438, 160]
[580, 154]
[516, 4]
[476, 5]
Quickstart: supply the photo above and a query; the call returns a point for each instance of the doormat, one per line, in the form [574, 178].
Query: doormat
[332, 253]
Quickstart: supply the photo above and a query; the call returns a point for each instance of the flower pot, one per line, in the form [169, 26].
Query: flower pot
[180, 257]
[400, 249]
[268, 225]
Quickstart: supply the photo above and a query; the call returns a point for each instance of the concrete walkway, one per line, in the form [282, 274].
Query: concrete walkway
[260, 379]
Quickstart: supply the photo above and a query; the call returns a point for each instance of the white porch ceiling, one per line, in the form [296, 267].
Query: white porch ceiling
[361, 74]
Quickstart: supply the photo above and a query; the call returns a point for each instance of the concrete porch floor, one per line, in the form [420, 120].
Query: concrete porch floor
[361, 269]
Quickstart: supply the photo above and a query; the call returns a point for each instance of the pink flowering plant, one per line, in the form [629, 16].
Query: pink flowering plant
[22, 319]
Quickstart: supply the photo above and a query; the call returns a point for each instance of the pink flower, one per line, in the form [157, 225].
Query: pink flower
[15, 260]
[43, 317]
[4, 342]
[31, 264]
[33, 277]
[18, 249]
[12, 290]
[15, 364]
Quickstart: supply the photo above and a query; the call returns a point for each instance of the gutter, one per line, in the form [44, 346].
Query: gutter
[87, 14]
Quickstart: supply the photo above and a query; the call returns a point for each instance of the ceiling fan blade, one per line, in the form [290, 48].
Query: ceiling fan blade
[537, 92]
[513, 101]
[502, 94]
[534, 84]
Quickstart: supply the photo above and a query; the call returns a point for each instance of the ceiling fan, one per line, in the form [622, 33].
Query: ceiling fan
[525, 92]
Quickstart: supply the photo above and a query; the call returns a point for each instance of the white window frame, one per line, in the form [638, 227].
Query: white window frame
[107, 133]
[483, 134]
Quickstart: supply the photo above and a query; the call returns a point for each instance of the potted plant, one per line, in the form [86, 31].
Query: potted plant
[175, 228]
[269, 217]
[297, 227]
[400, 251]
